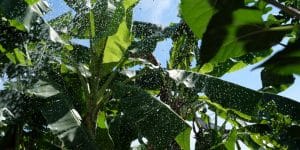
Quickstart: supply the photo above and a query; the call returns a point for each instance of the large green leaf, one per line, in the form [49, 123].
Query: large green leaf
[232, 35]
[233, 96]
[197, 13]
[63, 120]
[117, 44]
[146, 117]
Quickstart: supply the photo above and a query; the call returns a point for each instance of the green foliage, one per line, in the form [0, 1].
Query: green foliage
[145, 117]
[285, 62]
[275, 83]
[60, 94]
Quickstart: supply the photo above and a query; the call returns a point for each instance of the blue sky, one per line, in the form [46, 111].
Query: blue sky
[164, 12]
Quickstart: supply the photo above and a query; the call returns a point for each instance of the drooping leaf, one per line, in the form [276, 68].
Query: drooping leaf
[147, 117]
[234, 64]
[65, 123]
[275, 83]
[63, 120]
[142, 30]
[233, 96]
[146, 37]
[285, 62]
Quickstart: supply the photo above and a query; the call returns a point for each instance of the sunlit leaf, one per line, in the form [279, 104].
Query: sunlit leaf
[43, 89]
[20, 56]
[11, 57]
[117, 44]
[31, 2]
[101, 121]
[231, 139]
[18, 25]
[130, 3]
[2, 49]
[197, 14]
[183, 139]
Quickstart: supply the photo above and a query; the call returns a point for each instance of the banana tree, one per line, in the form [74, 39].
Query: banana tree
[63, 94]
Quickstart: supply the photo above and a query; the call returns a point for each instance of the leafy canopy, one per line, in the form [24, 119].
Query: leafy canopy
[110, 90]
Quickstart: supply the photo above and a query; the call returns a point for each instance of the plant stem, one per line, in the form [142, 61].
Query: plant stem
[283, 28]
[101, 92]
[287, 9]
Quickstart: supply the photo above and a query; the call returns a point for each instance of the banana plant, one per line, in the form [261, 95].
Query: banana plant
[63, 94]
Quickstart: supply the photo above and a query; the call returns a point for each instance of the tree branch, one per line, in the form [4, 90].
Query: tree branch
[287, 9]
